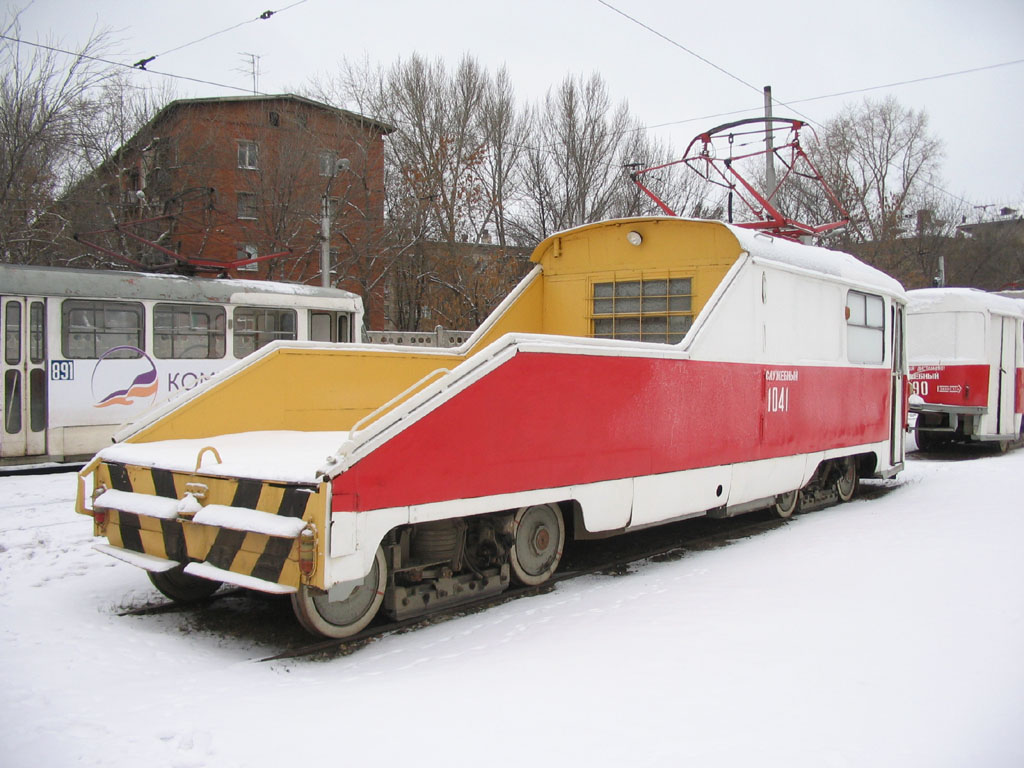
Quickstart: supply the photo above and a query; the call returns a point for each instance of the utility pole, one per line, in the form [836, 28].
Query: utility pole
[325, 224]
[769, 157]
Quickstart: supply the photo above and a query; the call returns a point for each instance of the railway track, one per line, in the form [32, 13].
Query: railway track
[579, 565]
[612, 556]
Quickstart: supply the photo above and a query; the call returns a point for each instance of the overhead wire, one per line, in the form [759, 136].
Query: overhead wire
[142, 63]
[851, 92]
[696, 55]
[111, 62]
[789, 104]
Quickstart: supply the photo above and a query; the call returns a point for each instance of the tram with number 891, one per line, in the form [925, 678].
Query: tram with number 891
[85, 352]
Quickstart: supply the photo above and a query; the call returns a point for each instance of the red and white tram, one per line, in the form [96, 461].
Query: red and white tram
[646, 370]
[966, 352]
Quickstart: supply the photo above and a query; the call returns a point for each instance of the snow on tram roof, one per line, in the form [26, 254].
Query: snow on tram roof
[961, 299]
[762, 245]
[813, 258]
[84, 283]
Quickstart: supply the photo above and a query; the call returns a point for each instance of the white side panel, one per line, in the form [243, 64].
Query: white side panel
[606, 506]
[772, 315]
[679, 494]
[354, 539]
[770, 477]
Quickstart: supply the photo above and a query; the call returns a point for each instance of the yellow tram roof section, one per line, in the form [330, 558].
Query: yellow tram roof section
[642, 243]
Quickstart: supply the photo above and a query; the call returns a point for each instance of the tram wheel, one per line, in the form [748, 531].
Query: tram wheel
[182, 587]
[925, 440]
[539, 536]
[847, 481]
[787, 504]
[343, 618]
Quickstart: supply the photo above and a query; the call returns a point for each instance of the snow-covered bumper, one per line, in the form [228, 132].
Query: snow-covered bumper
[255, 534]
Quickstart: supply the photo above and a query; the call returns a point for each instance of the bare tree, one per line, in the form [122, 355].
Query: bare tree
[573, 171]
[882, 163]
[682, 190]
[46, 101]
[450, 172]
[122, 109]
[505, 129]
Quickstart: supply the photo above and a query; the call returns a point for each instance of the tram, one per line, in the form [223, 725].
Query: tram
[85, 352]
[966, 352]
[647, 370]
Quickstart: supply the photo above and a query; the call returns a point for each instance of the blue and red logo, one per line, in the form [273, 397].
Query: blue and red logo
[111, 374]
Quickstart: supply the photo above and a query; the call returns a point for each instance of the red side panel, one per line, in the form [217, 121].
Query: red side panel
[1020, 391]
[965, 385]
[549, 420]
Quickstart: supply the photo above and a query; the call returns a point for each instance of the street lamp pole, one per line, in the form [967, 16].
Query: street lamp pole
[325, 224]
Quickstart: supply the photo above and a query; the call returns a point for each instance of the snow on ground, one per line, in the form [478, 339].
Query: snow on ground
[885, 632]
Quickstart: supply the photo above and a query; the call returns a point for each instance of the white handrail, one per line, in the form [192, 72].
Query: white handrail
[347, 445]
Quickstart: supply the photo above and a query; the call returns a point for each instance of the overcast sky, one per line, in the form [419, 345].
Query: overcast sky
[803, 49]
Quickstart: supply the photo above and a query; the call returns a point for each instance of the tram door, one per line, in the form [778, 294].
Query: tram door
[1006, 391]
[897, 435]
[23, 368]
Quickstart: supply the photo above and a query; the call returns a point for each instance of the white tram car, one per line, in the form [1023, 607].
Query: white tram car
[966, 352]
[647, 370]
[85, 352]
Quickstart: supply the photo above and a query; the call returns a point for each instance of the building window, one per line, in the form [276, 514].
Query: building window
[274, 118]
[188, 332]
[91, 328]
[865, 328]
[248, 155]
[659, 310]
[247, 252]
[256, 327]
[328, 162]
[247, 207]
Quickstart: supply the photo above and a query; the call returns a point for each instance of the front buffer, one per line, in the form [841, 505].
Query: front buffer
[193, 530]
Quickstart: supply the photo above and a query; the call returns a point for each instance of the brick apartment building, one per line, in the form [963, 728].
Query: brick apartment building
[208, 183]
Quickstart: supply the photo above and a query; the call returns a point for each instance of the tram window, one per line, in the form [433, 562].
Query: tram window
[659, 310]
[36, 332]
[12, 333]
[865, 328]
[12, 401]
[37, 399]
[344, 334]
[256, 327]
[320, 326]
[188, 332]
[91, 328]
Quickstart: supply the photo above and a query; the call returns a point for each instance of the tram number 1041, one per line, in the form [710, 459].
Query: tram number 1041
[778, 399]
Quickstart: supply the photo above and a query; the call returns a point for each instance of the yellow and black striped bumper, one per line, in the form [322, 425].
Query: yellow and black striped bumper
[264, 532]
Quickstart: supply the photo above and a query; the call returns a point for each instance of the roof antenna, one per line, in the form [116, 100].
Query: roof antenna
[253, 69]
